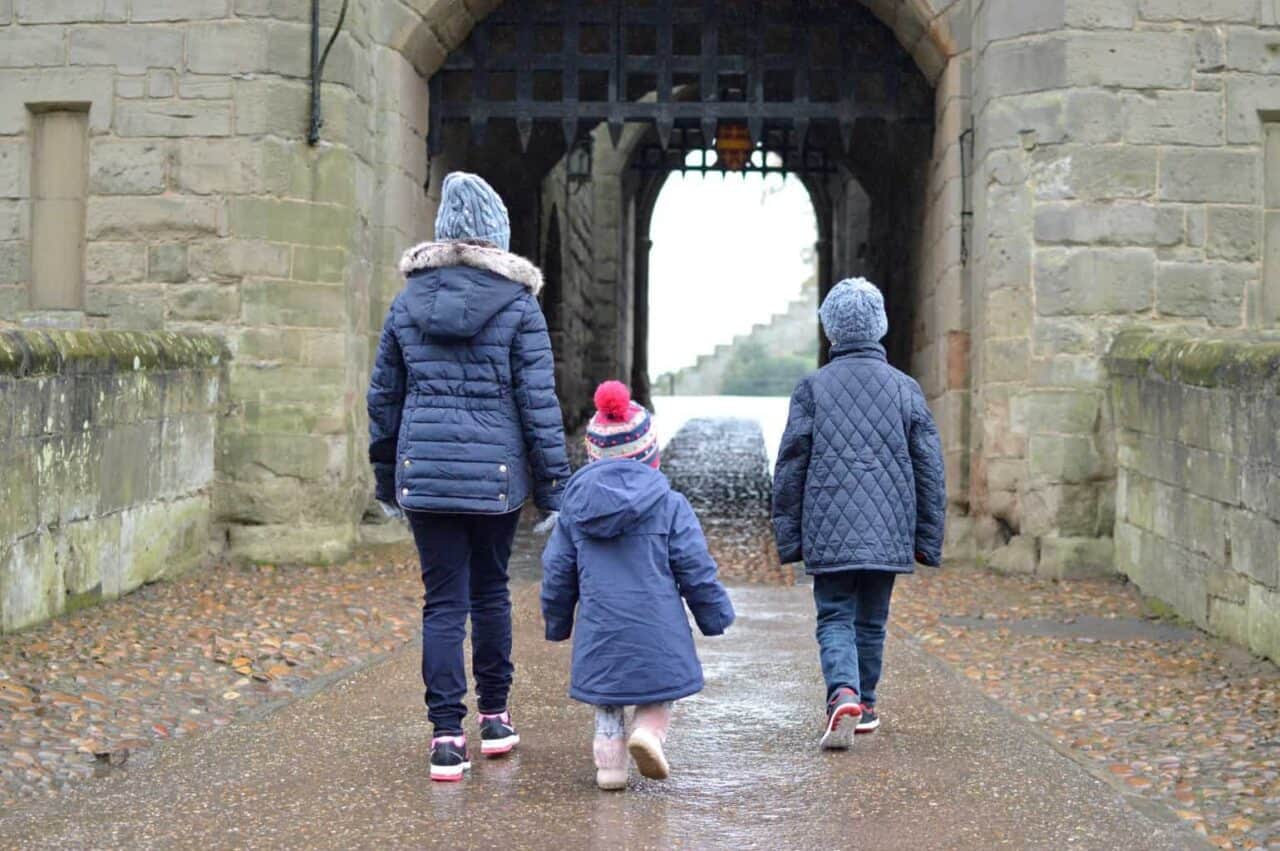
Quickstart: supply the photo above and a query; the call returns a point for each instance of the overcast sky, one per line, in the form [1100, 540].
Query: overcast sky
[727, 252]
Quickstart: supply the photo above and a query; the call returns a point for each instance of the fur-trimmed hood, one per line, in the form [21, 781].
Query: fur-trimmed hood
[477, 255]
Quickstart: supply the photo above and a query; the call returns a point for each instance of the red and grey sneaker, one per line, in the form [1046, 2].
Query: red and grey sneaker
[869, 722]
[843, 714]
[449, 758]
[497, 735]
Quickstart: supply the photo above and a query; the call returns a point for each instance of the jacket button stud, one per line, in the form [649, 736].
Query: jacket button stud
[502, 496]
[502, 468]
[405, 491]
[406, 462]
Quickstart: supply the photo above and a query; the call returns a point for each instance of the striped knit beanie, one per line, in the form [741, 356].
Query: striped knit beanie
[621, 428]
[470, 209]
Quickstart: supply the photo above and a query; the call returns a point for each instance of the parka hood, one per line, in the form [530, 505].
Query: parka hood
[455, 288]
[606, 498]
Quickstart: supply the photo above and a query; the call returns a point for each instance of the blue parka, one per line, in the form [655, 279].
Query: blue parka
[463, 414]
[625, 551]
[859, 483]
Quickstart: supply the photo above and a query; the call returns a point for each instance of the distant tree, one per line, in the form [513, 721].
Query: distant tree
[754, 371]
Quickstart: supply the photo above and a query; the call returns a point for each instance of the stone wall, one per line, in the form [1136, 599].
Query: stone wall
[106, 464]
[1118, 177]
[1198, 492]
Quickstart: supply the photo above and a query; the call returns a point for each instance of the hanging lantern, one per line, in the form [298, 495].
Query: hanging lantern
[733, 145]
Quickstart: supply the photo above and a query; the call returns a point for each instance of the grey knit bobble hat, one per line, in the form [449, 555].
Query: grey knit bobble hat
[470, 209]
[853, 312]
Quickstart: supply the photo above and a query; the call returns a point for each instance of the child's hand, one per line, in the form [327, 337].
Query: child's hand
[547, 524]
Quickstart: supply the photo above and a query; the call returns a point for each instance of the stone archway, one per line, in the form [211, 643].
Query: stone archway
[418, 36]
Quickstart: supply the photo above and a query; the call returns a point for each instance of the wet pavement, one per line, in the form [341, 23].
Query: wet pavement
[347, 768]
[1018, 713]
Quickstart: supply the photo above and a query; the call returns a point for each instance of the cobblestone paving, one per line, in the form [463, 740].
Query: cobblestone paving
[1174, 715]
[81, 695]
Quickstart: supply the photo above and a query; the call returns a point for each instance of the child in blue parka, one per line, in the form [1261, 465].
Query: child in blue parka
[625, 550]
[859, 495]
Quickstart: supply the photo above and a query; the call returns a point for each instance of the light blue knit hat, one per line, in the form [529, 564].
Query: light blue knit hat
[470, 209]
[853, 312]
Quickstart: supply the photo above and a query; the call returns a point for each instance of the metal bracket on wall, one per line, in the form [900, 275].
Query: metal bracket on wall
[318, 60]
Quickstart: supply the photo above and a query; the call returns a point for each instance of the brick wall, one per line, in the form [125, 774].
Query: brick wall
[1198, 490]
[106, 464]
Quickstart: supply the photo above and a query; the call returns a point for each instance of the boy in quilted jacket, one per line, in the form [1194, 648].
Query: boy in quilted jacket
[859, 496]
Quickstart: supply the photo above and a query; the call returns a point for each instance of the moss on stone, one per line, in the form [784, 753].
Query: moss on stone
[26, 353]
[1242, 361]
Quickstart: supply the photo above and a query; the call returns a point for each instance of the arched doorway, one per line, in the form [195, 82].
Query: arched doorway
[630, 89]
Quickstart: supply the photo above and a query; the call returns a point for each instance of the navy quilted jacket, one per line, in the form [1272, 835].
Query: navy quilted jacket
[859, 483]
[625, 557]
[463, 415]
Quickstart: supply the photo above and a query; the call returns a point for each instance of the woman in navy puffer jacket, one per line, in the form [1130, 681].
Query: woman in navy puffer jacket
[464, 426]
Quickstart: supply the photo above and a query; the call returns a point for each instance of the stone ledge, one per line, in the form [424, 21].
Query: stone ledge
[25, 353]
[1239, 361]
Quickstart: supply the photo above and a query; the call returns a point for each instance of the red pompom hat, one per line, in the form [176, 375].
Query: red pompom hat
[620, 427]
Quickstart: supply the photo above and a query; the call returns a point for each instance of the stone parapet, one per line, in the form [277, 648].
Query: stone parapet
[1198, 489]
[106, 464]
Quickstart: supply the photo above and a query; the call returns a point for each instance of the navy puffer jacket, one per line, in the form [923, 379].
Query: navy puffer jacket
[859, 483]
[625, 551]
[463, 414]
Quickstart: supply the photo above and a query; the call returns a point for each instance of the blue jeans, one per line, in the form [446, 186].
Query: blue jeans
[464, 572]
[853, 607]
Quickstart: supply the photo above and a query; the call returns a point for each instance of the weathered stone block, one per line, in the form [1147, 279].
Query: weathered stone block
[128, 476]
[130, 307]
[272, 107]
[1094, 173]
[1213, 291]
[1016, 67]
[115, 262]
[54, 85]
[15, 263]
[178, 10]
[18, 489]
[29, 47]
[1174, 118]
[208, 302]
[1137, 59]
[1255, 546]
[1056, 411]
[1076, 558]
[1234, 233]
[175, 119]
[327, 265]
[231, 47]
[159, 541]
[1058, 458]
[149, 218]
[236, 258]
[15, 176]
[1020, 556]
[1253, 50]
[70, 11]
[1109, 224]
[1214, 176]
[1007, 19]
[257, 456]
[292, 543]
[288, 303]
[126, 168]
[1093, 281]
[1232, 11]
[167, 262]
[289, 221]
[131, 49]
[204, 87]
[1100, 14]
[30, 582]
[1264, 621]
[186, 459]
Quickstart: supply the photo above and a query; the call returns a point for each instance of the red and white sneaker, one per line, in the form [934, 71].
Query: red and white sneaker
[497, 735]
[449, 758]
[843, 714]
[869, 722]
